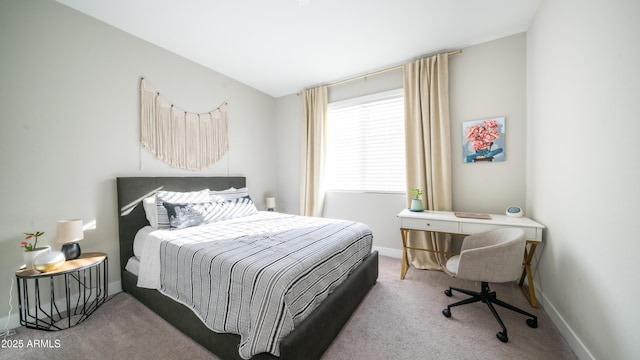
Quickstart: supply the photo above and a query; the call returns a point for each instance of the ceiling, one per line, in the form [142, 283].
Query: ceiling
[283, 46]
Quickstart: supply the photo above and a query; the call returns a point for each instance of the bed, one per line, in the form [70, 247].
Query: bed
[310, 337]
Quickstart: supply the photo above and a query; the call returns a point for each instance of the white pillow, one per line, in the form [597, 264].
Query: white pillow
[149, 205]
[229, 194]
[175, 197]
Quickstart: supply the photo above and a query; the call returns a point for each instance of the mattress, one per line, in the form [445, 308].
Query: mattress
[256, 276]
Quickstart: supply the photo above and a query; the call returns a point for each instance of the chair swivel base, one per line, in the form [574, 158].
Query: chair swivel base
[489, 297]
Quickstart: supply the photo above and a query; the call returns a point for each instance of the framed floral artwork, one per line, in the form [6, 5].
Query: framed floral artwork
[483, 140]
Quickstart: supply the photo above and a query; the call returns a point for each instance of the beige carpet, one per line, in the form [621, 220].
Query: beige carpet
[399, 319]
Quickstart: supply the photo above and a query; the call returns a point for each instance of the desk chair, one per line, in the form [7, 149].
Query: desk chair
[494, 256]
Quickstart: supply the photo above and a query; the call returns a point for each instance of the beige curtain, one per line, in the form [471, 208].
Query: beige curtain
[313, 151]
[426, 87]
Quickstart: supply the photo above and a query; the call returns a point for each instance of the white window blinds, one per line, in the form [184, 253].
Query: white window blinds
[365, 143]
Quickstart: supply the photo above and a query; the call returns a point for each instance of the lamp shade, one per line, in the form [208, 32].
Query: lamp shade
[271, 202]
[69, 231]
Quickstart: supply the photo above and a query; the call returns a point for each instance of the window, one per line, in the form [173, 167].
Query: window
[365, 143]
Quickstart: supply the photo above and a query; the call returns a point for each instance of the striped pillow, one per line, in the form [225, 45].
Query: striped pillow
[229, 194]
[175, 197]
[234, 208]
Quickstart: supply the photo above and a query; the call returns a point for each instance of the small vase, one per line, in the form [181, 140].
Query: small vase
[416, 205]
[30, 255]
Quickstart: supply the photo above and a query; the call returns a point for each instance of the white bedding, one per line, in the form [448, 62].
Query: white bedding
[146, 244]
[141, 236]
[133, 265]
[252, 275]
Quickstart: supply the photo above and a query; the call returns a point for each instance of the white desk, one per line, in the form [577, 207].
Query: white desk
[447, 222]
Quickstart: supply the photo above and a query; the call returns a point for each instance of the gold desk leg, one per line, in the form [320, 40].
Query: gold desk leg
[405, 258]
[530, 294]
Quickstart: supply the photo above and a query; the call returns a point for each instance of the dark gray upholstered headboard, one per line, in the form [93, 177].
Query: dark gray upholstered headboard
[132, 190]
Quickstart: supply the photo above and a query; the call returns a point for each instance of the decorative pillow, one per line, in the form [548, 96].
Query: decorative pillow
[234, 208]
[174, 197]
[186, 215]
[149, 205]
[229, 194]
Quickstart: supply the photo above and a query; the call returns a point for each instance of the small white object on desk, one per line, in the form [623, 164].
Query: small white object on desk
[514, 211]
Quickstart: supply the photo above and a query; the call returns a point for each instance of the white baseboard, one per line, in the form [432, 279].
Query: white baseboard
[567, 332]
[115, 287]
[12, 321]
[394, 253]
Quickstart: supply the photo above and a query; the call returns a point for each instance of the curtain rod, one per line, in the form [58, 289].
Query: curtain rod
[455, 52]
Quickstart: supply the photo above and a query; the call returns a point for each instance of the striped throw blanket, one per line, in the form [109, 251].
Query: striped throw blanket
[260, 275]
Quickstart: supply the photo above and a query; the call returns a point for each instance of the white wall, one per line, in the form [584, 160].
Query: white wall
[488, 80]
[70, 124]
[583, 84]
[485, 80]
[288, 145]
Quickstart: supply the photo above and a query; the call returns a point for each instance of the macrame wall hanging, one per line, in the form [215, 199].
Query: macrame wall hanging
[182, 139]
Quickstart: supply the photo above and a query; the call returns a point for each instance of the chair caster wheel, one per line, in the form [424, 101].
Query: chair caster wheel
[446, 313]
[502, 337]
[533, 323]
[448, 292]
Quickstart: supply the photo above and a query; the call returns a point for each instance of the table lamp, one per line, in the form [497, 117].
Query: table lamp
[68, 232]
[271, 204]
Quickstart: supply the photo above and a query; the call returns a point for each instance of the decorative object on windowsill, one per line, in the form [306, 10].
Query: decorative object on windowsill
[271, 204]
[68, 233]
[32, 250]
[185, 140]
[416, 203]
[514, 211]
[48, 261]
[483, 140]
